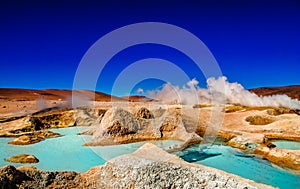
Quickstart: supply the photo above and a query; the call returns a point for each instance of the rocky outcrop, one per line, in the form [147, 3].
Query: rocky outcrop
[86, 116]
[26, 139]
[33, 137]
[30, 177]
[117, 121]
[119, 126]
[151, 167]
[283, 157]
[36, 123]
[34, 128]
[10, 177]
[22, 158]
[13, 128]
[144, 113]
[52, 120]
[158, 112]
[247, 142]
[259, 120]
[171, 125]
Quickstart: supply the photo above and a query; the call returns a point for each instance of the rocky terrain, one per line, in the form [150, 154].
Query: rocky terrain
[148, 167]
[27, 119]
[131, 122]
[119, 126]
[30, 177]
[253, 131]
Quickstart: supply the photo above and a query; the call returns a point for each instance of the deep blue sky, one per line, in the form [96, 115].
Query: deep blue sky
[256, 43]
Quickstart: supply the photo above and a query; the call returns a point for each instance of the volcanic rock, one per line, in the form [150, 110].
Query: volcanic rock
[283, 157]
[259, 120]
[119, 126]
[33, 137]
[152, 167]
[144, 113]
[245, 142]
[53, 120]
[86, 116]
[30, 177]
[10, 177]
[117, 121]
[22, 158]
[26, 139]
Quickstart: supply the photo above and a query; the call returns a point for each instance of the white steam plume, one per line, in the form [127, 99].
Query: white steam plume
[234, 93]
[140, 90]
[41, 103]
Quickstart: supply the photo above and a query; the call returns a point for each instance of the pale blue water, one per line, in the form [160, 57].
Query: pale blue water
[286, 144]
[245, 165]
[67, 153]
[61, 153]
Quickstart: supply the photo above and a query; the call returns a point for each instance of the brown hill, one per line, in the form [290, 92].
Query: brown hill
[138, 99]
[53, 94]
[291, 91]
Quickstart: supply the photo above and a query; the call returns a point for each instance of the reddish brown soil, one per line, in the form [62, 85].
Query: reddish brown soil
[291, 91]
[21, 102]
[53, 94]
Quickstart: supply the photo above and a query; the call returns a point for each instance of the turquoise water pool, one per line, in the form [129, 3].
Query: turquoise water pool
[61, 153]
[67, 153]
[246, 165]
[287, 144]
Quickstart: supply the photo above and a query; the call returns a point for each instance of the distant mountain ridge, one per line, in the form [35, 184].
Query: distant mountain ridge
[54, 94]
[63, 94]
[291, 91]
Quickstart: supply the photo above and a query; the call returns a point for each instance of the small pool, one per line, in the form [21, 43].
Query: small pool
[66, 153]
[61, 153]
[287, 144]
[245, 165]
